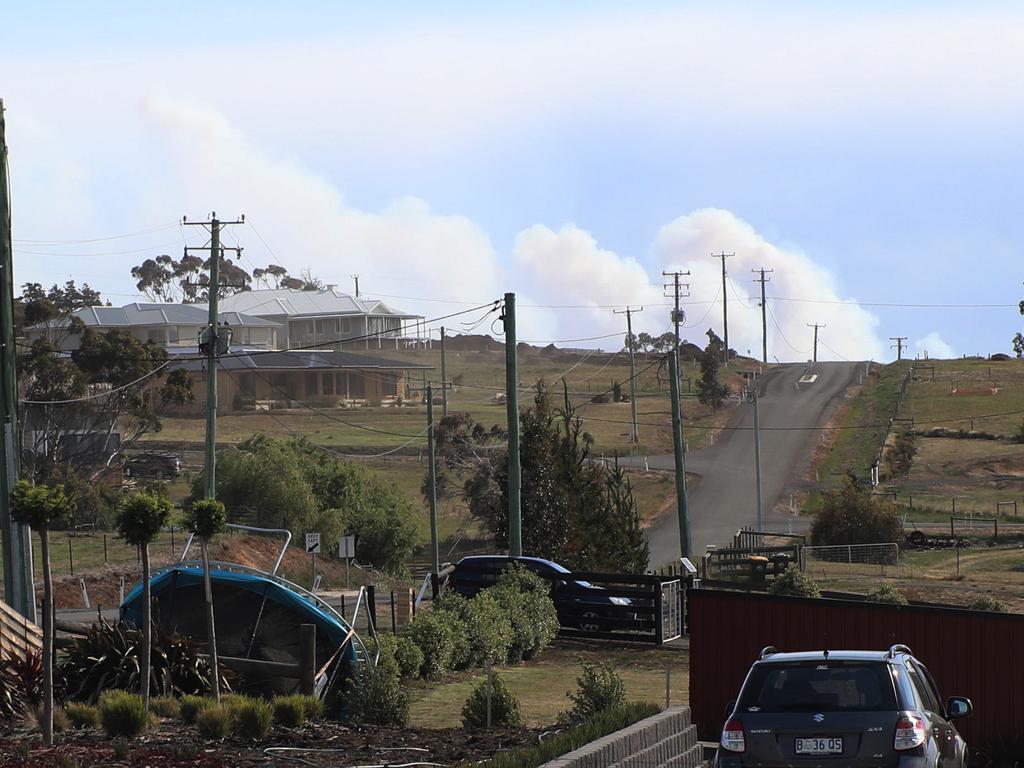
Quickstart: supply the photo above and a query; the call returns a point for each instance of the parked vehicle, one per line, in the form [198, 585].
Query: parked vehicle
[849, 708]
[158, 465]
[579, 603]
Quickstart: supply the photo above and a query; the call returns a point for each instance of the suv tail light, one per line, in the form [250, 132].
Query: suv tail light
[910, 732]
[732, 736]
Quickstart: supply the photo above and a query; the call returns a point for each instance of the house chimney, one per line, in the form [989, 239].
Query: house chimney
[331, 286]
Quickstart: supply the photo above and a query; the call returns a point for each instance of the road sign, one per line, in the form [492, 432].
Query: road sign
[347, 547]
[312, 543]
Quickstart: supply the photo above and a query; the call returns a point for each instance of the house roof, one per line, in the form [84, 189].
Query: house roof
[139, 314]
[273, 302]
[296, 360]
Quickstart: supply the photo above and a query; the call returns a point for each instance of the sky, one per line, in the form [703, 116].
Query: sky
[868, 154]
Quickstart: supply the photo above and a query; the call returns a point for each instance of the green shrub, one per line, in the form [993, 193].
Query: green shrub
[252, 719]
[504, 706]
[376, 698]
[61, 722]
[598, 688]
[190, 706]
[887, 593]
[82, 715]
[123, 714]
[214, 721]
[409, 657]
[526, 599]
[165, 706]
[432, 634]
[488, 629]
[451, 608]
[292, 711]
[986, 603]
[794, 583]
[121, 748]
[852, 515]
[312, 706]
[565, 741]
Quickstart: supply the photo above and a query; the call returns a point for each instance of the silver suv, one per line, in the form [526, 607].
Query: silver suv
[842, 708]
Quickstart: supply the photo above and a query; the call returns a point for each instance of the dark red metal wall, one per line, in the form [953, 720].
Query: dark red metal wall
[970, 653]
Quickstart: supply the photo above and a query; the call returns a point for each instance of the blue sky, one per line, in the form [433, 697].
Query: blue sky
[566, 151]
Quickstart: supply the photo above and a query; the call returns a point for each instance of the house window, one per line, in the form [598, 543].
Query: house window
[346, 325]
[328, 383]
[356, 385]
[342, 379]
[247, 384]
[311, 388]
[389, 385]
[279, 383]
[326, 326]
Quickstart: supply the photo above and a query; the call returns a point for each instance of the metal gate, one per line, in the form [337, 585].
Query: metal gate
[671, 611]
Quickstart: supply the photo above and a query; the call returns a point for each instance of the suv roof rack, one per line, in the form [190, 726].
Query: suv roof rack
[768, 650]
[899, 648]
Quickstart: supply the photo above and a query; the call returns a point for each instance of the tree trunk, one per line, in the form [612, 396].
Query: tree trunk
[47, 723]
[211, 633]
[147, 629]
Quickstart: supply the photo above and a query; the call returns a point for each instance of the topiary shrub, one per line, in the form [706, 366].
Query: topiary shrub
[887, 593]
[376, 698]
[488, 629]
[986, 603]
[190, 706]
[794, 583]
[526, 599]
[505, 710]
[214, 721]
[123, 714]
[252, 719]
[598, 688]
[432, 633]
[82, 715]
[165, 706]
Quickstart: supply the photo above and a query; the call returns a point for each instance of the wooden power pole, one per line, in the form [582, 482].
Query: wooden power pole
[631, 342]
[764, 308]
[725, 302]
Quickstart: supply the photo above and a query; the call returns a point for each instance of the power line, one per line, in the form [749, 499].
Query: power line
[100, 394]
[782, 333]
[83, 241]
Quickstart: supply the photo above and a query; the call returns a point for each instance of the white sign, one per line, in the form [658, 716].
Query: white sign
[313, 543]
[347, 547]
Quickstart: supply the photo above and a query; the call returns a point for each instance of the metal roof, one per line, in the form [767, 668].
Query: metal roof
[140, 314]
[297, 360]
[273, 302]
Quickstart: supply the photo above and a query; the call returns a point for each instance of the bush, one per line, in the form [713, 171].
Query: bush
[887, 593]
[598, 688]
[504, 706]
[409, 657]
[900, 457]
[794, 583]
[488, 629]
[252, 719]
[432, 634]
[292, 711]
[190, 706]
[214, 721]
[851, 515]
[986, 603]
[165, 706]
[82, 715]
[526, 598]
[451, 607]
[123, 714]
[376, 698]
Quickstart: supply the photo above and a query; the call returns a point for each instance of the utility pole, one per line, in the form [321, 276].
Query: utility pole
[444, 380]
[216, 342]
[757, 459]
[432, 492]
[764, 308]
[816, 326]
[680, 457]
[635, 436]
[898, 346]
[725, 303]
[356, 278]
[515, 533]
[19, 591]
[678, 316]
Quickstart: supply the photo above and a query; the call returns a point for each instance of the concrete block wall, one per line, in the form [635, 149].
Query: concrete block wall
[665, 740]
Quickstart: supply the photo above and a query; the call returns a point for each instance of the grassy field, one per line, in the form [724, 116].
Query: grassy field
[542, 684]
[968, 395]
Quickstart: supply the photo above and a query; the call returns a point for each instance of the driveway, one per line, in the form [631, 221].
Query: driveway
[725, 498]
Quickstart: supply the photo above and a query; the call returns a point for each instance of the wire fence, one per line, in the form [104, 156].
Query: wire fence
[851, 561]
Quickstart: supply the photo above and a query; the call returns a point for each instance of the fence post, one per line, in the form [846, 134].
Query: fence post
[951, 534]
[659, 614]
[307, 658]
[849, 558]
[371, 608]
[71, 557]
[394, 623]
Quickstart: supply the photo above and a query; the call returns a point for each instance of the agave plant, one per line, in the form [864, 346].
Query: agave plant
[108, 657]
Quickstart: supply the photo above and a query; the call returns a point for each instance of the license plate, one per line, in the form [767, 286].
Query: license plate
[819, 746]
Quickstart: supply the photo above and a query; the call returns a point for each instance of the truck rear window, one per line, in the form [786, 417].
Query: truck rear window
[818, 686]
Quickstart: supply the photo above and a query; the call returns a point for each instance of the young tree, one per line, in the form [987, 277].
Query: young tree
[39, 507]
[853, 515]
[206, 519]
[139, 520]
[710, 390]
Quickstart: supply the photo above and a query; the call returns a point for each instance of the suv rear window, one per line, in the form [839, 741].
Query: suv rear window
[819, 686]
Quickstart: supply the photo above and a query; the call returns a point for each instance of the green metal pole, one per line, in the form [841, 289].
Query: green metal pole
[432, 482]
[515, 533]
[17, 542]
[677, 443]
[444, 380]
[210, 471]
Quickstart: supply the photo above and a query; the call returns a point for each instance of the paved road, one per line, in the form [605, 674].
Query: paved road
[725, 498]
